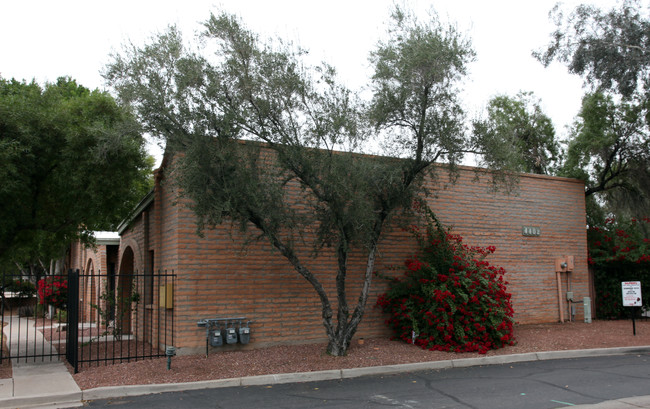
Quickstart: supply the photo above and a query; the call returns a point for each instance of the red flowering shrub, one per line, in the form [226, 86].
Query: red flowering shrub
[619, 251]
[449, 298]
[53, 290]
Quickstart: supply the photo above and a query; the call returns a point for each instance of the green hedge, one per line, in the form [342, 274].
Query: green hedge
[619, 251]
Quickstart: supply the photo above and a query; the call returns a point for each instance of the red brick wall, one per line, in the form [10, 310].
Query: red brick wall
[555, 205]
[219, 276]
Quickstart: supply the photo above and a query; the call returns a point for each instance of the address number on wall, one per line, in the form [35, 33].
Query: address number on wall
[531, 231]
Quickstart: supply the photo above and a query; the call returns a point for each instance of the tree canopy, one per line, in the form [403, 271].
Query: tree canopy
[609, 49]
[522, 124]
[304, 132]
[73, 161]
[608, 145]
[609, 150]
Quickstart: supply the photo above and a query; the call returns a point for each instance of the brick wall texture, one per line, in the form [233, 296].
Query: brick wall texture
[220, 275]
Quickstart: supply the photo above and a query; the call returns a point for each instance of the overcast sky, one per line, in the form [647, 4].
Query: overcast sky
[45, 39]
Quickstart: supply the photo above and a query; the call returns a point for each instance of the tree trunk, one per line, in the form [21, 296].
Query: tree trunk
[340, 335]
[340, 340]
[339, 345]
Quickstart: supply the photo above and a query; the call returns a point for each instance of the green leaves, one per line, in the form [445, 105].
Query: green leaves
[608, 150]
[608, 146]
[609, 49]
[517, 132]
[619, 250]
[417, 69]
[73, 161]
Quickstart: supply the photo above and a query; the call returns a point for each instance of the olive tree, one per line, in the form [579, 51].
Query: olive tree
[254, 123]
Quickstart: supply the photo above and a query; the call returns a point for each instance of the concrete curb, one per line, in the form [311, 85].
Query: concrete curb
[66, 399]
[395, 369]
[635, 402]
[339, 374]
[107, 392]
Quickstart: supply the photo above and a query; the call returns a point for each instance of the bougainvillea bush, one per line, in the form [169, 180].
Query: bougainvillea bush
[619, 251]
[449, 298]
[53, 290]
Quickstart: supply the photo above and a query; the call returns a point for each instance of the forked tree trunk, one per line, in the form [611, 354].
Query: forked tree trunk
[339, 346]
[347, 326]
[340, 335]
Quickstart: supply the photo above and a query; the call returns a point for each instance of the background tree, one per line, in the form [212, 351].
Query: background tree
[520, 123]
[312, 129]
[73, 161]
[608, 49]
[608, 147]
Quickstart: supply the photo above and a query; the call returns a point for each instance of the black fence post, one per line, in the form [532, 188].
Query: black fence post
[72, 341]
[2, 333]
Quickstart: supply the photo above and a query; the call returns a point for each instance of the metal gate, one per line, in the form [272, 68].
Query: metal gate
[108, 318]
[119, 317]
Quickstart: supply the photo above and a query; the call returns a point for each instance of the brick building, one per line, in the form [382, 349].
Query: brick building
[103, 258]
[219, 275]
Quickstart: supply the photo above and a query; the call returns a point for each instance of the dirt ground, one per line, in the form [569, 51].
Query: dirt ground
[373, 352]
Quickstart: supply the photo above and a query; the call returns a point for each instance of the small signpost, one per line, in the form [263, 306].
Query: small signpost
[632, 298]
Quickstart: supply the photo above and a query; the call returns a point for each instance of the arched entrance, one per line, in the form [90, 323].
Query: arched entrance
[124, 294]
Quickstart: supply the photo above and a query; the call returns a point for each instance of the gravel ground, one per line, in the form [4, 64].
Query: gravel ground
[373, 352]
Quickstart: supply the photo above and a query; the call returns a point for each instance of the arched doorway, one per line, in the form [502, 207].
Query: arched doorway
[124, 294]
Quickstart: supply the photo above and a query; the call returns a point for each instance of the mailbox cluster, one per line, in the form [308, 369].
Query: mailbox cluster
[220, 331]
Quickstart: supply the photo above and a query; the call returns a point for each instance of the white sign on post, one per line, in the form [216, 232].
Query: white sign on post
[631, 293]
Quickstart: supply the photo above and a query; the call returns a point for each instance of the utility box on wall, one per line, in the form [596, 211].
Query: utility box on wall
[166, 296]
[216, 340]
[586, 303]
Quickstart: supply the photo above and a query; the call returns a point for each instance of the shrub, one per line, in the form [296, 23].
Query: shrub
[115, 308]
[61, 316]
[449, 298]
[22, 288]
[53, 290]
[619, 251]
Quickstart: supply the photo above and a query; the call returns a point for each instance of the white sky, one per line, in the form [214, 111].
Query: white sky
[45, 39]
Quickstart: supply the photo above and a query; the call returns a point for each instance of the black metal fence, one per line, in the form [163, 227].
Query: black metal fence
[27, 335]
[120, 317]
[108, 318]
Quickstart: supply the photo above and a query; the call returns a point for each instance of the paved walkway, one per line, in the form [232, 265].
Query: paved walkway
[47, 384]
[36, 382]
